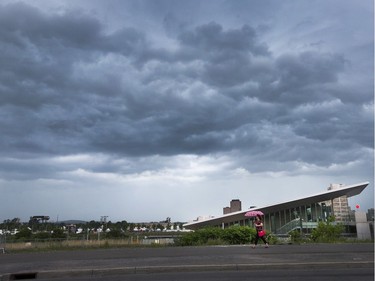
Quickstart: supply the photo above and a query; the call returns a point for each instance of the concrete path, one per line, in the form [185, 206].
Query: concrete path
[47, 265]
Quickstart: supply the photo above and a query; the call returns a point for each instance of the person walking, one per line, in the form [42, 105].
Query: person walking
[260, 232]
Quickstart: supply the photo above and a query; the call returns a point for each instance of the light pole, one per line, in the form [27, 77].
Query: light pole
[103, 219]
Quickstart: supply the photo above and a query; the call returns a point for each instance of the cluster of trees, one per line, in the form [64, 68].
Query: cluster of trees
[325, 232]
[35, 229]
[11, 224]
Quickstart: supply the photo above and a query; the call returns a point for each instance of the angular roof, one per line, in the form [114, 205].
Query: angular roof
[349, 191]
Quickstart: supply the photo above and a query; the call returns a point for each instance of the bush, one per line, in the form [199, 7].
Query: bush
[188, 239]
[271, 239]
[238, 235]
[217, 236]
[42, 235]
[114, 234]
[24, 234]
[327, 232]
[204, 236]
[58, 233]
[295, 236]
[210, 233]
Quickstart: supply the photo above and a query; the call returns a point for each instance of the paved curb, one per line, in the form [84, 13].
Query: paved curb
[180, 268]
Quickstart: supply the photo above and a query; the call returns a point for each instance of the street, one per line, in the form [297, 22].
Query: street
[239, 262]
[350, 274]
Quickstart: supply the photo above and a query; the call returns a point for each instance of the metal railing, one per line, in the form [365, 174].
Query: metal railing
[296, 224]
[292, 225]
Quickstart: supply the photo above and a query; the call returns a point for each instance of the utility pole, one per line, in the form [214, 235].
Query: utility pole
[103, 219]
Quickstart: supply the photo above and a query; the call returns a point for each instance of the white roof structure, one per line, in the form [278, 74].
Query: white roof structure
[349, 191]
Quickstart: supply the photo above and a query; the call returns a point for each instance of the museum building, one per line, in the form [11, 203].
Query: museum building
[302, 214]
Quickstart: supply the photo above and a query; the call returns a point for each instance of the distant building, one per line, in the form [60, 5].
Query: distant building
[226, 210]
[339, 206]
[235, 206]
[203, 218]
[370, 214]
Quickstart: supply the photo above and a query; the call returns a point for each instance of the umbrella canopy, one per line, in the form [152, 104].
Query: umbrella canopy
[254, 213]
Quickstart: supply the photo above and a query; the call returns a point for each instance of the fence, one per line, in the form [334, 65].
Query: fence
[53, 244]
[2, 243]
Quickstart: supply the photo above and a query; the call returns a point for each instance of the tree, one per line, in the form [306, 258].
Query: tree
[115, 233]
[11, 224]
[24, 234]
[327, 231]
[159, 226]
[58, 233]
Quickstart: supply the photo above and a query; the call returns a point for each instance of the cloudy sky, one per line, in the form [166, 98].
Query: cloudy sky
[142, 110]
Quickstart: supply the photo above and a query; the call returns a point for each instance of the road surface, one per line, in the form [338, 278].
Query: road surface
[132, 263]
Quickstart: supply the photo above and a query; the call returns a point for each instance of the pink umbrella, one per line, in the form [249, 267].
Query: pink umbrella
[254, 213]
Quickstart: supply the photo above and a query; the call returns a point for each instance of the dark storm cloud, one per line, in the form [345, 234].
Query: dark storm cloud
[68, 86]
[226, 55]
[104, 103]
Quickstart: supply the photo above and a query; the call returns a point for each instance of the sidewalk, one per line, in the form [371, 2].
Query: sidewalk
[50, 265]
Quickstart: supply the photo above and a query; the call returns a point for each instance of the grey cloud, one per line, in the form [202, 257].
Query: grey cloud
[96, 97]
[29, 26]
[84, 90]
[211, 38]
[226, 54]
[308, 69]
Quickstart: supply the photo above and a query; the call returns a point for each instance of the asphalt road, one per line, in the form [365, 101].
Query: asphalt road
[363, 274]
[135, 263]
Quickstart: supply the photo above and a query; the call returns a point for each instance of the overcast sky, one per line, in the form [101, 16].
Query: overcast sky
[142, 110]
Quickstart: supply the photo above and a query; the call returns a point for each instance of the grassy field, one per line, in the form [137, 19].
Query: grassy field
[77, 244]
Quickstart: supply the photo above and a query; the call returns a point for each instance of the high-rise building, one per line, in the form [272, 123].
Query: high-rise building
[340, 206]
[235, 206]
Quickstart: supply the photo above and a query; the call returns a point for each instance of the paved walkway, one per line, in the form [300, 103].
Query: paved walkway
[46, 265]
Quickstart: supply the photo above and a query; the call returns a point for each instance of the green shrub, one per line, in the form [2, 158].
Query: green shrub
[217, 236]
[327, 232]
[24, 234]
[42, 235]
[188, 239]
[295, 236]
[272, 239]
[209, 233]
[58, 233]
[114, 234]
[238, 235]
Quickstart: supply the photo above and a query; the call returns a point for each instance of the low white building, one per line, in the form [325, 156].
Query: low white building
[303, 214]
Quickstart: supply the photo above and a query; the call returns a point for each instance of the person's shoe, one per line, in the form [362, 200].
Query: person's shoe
[253, 246]
[266, 245]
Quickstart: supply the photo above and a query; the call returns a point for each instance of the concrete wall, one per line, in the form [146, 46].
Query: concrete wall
[363, 226]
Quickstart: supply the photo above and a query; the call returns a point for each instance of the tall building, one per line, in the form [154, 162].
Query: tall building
[370, 214]
[340, 206]
[226, 210]
[235, 206]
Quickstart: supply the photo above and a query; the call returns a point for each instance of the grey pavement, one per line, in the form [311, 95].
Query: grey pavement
[48, 265]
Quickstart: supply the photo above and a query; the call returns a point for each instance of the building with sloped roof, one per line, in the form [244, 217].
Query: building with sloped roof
[303, 214]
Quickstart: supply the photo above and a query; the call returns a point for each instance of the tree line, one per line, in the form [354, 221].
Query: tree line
[89, 230]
